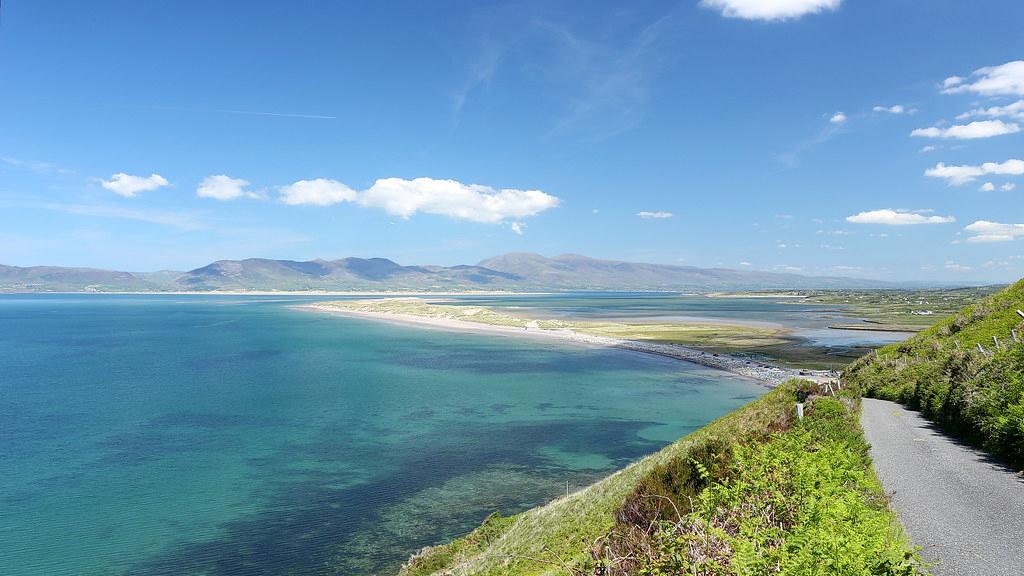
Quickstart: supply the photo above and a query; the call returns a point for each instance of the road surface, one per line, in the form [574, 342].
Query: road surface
[965, 511]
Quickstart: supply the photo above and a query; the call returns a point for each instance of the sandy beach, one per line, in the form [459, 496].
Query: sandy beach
[763, 373]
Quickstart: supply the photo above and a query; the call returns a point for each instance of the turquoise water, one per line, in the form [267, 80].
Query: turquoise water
[235, 435]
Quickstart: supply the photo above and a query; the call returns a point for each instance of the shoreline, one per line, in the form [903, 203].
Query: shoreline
[761, 372]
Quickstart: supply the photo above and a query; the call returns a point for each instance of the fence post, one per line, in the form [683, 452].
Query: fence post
[799, 410]
[1013, 334]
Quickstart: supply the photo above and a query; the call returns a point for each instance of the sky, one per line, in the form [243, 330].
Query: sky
[868, 138]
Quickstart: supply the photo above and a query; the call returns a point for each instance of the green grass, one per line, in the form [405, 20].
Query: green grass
[976, 394]
[826, 456]
[798, 501]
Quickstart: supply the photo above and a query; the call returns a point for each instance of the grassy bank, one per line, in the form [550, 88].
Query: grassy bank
[753, 492]
[958, 376]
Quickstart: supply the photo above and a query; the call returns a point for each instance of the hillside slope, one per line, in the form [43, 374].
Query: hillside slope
[753, 492]
[958, 376]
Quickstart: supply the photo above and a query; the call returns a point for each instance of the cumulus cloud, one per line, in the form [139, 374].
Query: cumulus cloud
[1014, 110]
[837, 118]
[1003, 80]
[221, 187]
[987, 187]
[318, 192]
[1009, 186]
[986, 231]
[957, 175]
[898, 217]
[769, 10]
[928, 148]
[129, 186]
[974, 130]
[517, 227]
[657, 215]
[894, 109]
[472, 202]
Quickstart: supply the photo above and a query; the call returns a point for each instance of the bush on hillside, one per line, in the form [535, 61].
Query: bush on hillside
[799, 500]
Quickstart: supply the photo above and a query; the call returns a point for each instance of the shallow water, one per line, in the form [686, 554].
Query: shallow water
[235, 435]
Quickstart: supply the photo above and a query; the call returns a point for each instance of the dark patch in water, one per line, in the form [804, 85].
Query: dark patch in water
[312, 526]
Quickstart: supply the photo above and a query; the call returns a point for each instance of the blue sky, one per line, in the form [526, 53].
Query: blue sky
[770, 135]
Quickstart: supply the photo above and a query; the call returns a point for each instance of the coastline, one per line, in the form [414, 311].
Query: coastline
[761, 372]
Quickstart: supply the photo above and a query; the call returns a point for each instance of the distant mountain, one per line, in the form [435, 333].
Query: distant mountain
[572, 271]
[516, 271]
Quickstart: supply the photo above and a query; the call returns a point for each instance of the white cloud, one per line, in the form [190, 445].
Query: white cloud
[1014, 110]
[769, 10]
[837, 118]
[957, 175]
[221, 187]
[656, 215]
[955, 267]
[897, 218]
[986, 231]
[894, 109]
[974, 130]
[928, 148]
[987, 187]
[456, 200]
[1005, 79]
[318, 192]
[745, 263]
[404, 198]
[128, 186]
[1009, 186]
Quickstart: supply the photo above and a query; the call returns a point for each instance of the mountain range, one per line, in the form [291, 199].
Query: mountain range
[513, 272]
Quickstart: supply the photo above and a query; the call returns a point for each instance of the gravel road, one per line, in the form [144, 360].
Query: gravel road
[965, 511]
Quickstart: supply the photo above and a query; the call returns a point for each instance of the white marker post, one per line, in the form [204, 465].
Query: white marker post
[799, 410]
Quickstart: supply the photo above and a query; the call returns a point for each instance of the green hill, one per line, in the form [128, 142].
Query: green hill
[966, 373]
[754, 492]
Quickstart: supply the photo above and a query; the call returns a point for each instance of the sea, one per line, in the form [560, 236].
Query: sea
[240, 435]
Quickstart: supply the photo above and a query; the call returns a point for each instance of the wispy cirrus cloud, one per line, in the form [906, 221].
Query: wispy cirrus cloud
[656, 215]
[172, 219]
[281, 114]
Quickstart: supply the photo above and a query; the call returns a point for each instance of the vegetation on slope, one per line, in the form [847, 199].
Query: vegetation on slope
[751, 493]
[958, 376]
